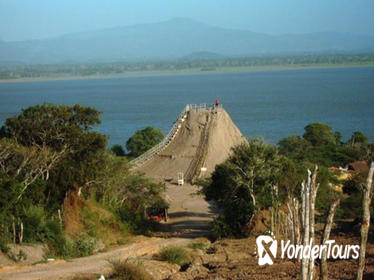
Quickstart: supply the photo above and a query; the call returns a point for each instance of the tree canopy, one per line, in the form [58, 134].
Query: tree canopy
[358, 138]
[320, 145]
[143, 140]
[319, 134]
[50, 125]
[60, 137]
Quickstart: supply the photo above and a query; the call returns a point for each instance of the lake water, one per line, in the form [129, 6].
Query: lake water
[271, 104]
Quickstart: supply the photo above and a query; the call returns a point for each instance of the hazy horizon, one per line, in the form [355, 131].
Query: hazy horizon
[25, 20]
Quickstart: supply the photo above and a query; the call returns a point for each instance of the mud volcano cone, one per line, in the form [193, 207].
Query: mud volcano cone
[202, 138]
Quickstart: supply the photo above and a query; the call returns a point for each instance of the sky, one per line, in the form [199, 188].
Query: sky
[38, 19]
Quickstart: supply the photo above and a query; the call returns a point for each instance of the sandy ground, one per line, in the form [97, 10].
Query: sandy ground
[235, 259]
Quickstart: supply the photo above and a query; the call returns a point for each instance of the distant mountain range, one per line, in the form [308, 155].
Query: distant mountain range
[174, 39]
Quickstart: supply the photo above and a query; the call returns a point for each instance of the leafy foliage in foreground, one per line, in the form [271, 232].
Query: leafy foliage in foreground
[49, 154]
[247, 180]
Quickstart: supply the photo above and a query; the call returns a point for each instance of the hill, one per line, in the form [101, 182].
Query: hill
[173, 39]
[204, 139]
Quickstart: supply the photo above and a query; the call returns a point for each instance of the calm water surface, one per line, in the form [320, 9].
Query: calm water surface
[272, 104]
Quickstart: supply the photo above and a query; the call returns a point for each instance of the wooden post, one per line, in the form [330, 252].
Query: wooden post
[296, 221]
[305, 213]
[366, 200]
[308, 198]
[20, 234]
[326, 235]
[277, 217]
[59, 216]
[274, 220]
[291, 221]
[14, 231]
[272, 209]
[303, 272]
[313, 188]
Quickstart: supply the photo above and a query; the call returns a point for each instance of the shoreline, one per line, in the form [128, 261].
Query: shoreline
[195, 71]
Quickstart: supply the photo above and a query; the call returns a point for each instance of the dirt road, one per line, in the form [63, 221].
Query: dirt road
[96, 264]
[189, 213]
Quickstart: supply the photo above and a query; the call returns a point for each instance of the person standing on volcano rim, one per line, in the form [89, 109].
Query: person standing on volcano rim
[217, 102]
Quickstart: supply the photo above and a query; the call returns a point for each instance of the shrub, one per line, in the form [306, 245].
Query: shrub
[73, 248]
[136, 221]
[34, 223]
[175, 254]
[53, 230]
[220, 228]
[84, 246]
[4, 248]
[200, 244]
[126, 270]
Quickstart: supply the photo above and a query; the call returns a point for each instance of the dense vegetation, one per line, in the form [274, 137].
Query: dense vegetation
[115, 68]
[60, 185]
[143, 140]
[245, 183]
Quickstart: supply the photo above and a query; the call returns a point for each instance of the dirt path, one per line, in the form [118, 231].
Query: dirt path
[96, 264]
[189, 213]
[189, 217]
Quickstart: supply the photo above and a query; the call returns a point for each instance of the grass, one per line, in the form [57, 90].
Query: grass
[85, 277]
[197, 246]
[102, 224]
[175, 254]
[121, 270]
[125, 270]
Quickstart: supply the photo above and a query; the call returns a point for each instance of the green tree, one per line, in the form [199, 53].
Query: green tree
[61, 131]
[143, 140]
[118, 150]
[241, 184]
[294, 147]
[358, 138]
[338, 137]
[319, 134]
[57, 127]
[255, 165]
[321, 146]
